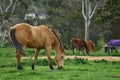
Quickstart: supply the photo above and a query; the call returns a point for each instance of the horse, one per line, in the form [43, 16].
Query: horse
[39, 37]
[113, 43]
[91, 45]
[78, 43]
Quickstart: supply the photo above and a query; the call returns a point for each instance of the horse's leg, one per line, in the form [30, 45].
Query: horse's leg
[115, 49]
[48, 51]
[108, 50]
[73, 51]
[83, 50]
[18, 56]
[112, 49]
[79, 51]
[35, 58]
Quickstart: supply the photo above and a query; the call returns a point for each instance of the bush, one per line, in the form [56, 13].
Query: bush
[100, 42]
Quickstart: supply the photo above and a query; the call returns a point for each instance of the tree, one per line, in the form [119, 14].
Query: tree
[6, 11]
[88, 13]
[107, 20]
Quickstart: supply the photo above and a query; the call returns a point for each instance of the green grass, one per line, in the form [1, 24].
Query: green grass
[76, 69]
[10, 52]
[73, 70]
[97, 53]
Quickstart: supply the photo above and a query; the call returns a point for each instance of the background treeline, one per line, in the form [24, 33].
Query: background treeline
[65, 16]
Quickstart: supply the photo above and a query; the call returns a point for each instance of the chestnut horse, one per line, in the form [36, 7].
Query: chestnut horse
[40, 37]
[78, 43]
[91, 45]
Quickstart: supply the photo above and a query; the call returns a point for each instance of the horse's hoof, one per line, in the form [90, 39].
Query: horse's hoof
[51, 70]
[33, 67]
[19, 67]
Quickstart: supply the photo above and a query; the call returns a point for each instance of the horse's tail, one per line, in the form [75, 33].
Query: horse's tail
[86, 47]
[16, 44]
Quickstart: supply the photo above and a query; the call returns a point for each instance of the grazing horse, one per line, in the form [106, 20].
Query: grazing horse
[91, 45]
[40, 37]
[78, 43]
[113, 43]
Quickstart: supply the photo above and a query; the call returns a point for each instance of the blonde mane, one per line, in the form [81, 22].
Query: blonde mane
[61, 46]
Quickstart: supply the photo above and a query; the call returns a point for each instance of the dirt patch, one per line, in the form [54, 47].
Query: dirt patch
[109, 58]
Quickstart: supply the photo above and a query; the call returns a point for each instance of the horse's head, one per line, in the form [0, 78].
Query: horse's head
[93, 46]
[59, 58]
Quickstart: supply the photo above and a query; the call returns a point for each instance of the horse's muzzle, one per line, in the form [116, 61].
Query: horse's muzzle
[60, 67]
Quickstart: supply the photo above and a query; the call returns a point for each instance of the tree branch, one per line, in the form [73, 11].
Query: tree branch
[13, 9]
[92, 13]
[11, 2]
[83, 10]
[1, 10]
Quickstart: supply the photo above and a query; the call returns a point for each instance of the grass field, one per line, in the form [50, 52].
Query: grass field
[76, 69]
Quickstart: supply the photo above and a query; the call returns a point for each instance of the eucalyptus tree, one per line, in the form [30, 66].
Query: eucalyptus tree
[89, 8]
[7, 8]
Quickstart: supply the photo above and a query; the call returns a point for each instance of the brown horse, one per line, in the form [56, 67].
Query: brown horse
[78, 43]
[91, 45]
[41, 37]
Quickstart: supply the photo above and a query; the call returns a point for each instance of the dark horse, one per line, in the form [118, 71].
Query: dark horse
[78, 43]
[40, 37]
[113, 43]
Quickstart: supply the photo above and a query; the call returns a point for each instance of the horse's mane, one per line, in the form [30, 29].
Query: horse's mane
[61, 46]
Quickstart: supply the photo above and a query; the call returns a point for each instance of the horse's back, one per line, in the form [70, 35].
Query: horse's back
[76, 42]
[91, 45]
[42, 33]
[22, 26]
[34, 36]
[114, 42]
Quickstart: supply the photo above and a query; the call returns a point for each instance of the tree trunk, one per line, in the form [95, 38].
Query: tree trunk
[86, 30]
[87, 14]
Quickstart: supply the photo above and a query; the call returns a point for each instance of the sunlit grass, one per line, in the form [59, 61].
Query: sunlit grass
[74, 69]
[91, 71]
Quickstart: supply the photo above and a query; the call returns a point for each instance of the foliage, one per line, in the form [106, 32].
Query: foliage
[100, 42]
[108, 18]
[10, 52]
[65, 16]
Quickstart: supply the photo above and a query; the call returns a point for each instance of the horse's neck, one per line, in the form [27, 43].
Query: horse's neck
[57, 48]
[57, 44]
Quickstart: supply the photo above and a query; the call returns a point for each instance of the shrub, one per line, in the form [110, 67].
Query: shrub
[100, 42]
